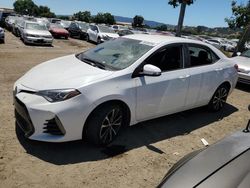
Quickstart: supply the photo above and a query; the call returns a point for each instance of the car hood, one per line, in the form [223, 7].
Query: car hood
[59, 30]
[112, 35]
[37, 32]
[62, 73]
[242, 62]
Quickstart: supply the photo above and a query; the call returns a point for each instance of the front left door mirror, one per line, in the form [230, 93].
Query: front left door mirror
[150, 70]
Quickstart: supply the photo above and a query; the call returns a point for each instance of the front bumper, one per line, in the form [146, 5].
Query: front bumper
[244, 78]
[50, 122]
[38, 40]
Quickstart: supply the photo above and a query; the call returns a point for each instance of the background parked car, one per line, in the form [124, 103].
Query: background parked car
[65, 24]
[124, 32]
[100, 33]
[243, 62]
[78, 29]
[16, 26]
[35, 33]
[224, 164]
[117, 28]
[58, 31]
[2, 35]
[9, 21]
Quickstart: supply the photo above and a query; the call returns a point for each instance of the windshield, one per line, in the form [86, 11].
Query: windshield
[246, 53]
[105, 29]
[83, 26]
[116, 54]
[35, 26]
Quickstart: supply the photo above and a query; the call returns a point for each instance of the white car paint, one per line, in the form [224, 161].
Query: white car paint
[243, 68]
[147, 97]
[95, 33]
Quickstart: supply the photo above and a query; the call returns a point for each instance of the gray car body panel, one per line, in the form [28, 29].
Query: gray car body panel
[215, 166]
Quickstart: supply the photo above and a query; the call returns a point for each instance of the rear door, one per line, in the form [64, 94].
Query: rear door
[206, 74]
[165, 94]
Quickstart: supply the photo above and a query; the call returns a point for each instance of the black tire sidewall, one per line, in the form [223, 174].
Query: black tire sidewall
[211, 105]
[95, 122]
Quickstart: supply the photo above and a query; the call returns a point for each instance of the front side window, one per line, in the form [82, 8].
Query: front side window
[201, 56]
[116, 54]
[167, 59]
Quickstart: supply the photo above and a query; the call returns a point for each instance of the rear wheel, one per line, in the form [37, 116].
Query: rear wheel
[98, 40]
[87, 38]
[105, 124]
[219, 98]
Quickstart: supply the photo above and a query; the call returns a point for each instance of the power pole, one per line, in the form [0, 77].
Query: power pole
[181, 18]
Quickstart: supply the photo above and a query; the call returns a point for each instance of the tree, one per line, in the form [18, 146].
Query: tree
[105, 18]
[137, 21]
[83, 16]
[240, 19]
[183, 3]
[28, 7]
[44, 11]
[162, 27]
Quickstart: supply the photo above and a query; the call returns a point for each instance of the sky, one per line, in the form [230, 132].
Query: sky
[209, 13]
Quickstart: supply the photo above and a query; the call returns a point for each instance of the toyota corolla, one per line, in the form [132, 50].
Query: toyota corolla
[91, 95]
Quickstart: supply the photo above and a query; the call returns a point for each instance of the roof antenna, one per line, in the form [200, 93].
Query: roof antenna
[246, 130]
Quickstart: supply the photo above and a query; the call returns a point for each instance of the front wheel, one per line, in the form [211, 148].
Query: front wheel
[105, 124]
[219, 99]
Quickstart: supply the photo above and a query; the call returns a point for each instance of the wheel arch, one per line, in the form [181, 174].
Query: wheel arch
[120, 102]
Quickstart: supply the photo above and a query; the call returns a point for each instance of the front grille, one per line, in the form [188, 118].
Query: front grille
[54, 127]
[22, 118]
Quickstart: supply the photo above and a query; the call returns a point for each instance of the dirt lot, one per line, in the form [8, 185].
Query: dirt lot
[138, 158]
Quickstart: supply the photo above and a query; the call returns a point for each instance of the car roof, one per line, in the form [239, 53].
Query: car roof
[158, 39]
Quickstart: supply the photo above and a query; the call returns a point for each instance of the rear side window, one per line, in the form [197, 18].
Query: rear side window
[201, 56]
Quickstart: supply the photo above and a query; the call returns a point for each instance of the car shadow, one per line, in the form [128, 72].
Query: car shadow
[243, 87]
[142, 134]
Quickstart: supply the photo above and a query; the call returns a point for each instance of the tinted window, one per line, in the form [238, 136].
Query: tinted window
[169, 58]
[201, 56]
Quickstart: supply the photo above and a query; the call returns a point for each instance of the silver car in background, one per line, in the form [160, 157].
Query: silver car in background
[243, 62]
[35, 33]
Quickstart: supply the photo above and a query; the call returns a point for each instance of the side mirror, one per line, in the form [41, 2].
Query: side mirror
[150, 70]
[238, 53]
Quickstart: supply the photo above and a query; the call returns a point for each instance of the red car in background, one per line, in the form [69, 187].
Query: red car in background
[58, 31]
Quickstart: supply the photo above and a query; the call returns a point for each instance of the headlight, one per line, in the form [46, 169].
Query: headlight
[58, 95]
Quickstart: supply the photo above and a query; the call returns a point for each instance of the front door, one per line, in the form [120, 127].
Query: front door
[165, 94]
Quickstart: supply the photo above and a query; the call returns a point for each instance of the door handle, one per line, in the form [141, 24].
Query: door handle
[184, 76]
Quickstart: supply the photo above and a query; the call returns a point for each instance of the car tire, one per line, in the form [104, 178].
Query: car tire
[219, 98]
[87, 37]
[105, 123]
[98, 40]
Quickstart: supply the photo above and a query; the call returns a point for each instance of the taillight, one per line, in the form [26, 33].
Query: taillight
[236, 67]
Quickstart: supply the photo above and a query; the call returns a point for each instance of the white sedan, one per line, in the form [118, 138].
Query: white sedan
[118, 83]
[243, 62]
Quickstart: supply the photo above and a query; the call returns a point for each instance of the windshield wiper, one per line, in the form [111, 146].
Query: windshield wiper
[94, 63]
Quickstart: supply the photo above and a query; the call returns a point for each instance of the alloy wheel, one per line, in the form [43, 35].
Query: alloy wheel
[220, 98]
[110, 125]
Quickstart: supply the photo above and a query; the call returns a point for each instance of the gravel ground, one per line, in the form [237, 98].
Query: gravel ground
[138, 158]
